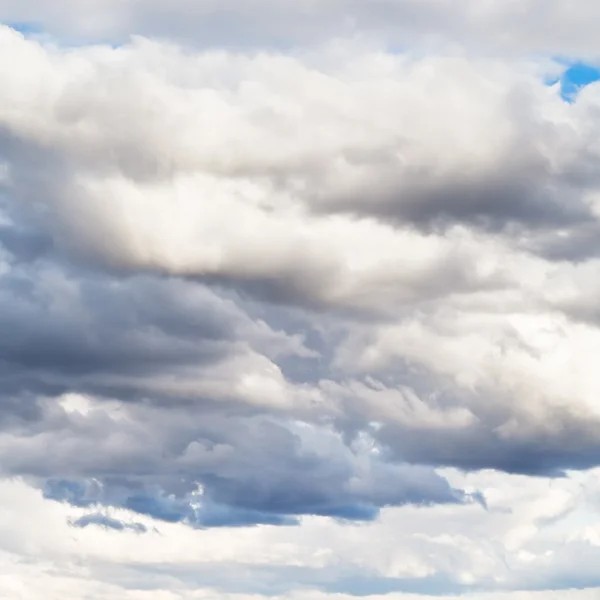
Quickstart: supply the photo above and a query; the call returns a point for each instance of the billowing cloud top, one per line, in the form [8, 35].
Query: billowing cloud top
[327, 268]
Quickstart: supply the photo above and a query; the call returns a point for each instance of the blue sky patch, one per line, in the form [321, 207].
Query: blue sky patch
[575, 78]
[26, 28]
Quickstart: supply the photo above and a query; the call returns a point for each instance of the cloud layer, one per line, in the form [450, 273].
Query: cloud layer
[305, 274]
[533, 26]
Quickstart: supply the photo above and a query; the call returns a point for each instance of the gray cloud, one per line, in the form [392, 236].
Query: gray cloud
[250, 470]
[107, 522]
[172, 236]
[427, 420]
[156, 342]
[574, 446]
[513, 199]
[533, 26]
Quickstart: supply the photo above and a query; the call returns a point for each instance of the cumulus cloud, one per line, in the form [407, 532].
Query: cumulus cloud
[329, 269]
[395, 205]
[532, 538]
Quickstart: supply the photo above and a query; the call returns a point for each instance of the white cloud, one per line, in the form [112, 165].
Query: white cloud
[529, 532]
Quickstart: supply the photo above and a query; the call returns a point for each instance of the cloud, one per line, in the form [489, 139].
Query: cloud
[323, 273]
[150, 211]
[532, 533]
[108, 523]
[550, 27]
[233, 472]
[450, 146]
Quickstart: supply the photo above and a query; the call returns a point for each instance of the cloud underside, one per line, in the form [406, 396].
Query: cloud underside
[243, 288]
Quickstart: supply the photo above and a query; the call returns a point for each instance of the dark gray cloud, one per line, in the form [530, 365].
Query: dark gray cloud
[575, 242]
[525, 192]
[69, 331]
[65, 327]
[224, 470]
[24, 245]
[575, 446]
[525, 438]
[106, 522]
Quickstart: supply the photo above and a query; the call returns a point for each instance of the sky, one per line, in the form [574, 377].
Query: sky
[299, 300]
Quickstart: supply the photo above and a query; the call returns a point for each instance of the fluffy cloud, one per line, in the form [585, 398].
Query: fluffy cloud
[296, 285]
[533, 537]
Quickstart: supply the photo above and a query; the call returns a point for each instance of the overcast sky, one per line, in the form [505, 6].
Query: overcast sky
[299, 300]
